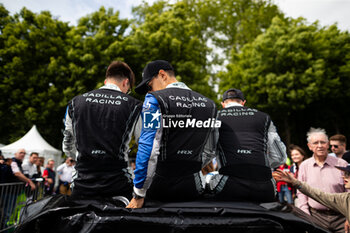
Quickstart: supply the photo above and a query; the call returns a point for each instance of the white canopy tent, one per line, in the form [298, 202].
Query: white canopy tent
[33, 142]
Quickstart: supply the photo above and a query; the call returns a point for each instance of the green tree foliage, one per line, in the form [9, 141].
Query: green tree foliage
[168, 31]
[292, 66]
[44, 63]
[195, 34]
[94, 43]
[30, 87]
[230, 24]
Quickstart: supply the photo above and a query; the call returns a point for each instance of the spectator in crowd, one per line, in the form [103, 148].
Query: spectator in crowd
[298, 155]
[40, 166]
[337, 144]
[133, 164]
[249, 147]
[2, 158]
[319, 171]
[65, 172]
[6, 174]
[16, 176]
[104, 120]
[283, 188]
[29, 167]
[7, 200]
[49, 175]
[17, 169]
[169, 159]
[337, 201]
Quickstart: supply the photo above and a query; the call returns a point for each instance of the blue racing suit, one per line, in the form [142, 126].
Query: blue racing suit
[146, 142]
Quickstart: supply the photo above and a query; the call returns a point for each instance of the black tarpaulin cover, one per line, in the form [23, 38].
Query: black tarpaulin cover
[60, 214]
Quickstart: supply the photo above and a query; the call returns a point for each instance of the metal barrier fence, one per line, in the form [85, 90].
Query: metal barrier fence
[14, 196]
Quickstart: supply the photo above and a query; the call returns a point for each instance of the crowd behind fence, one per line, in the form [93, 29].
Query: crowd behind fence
[14, 196]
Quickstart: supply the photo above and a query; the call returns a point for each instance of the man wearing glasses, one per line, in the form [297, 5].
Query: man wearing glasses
[177, 124]
[337, 144]
[320, 172]
[98, 128]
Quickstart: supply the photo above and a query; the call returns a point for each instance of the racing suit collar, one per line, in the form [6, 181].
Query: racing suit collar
[231, 104]
[178, 85]
[111, 87]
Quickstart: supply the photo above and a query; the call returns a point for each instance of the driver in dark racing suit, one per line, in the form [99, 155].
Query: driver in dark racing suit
[178, 124]
[98, 129]
[249, 147]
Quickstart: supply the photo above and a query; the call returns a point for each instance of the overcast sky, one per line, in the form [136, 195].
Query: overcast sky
[326, 11]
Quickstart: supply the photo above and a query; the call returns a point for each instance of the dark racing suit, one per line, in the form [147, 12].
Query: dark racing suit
[170, 154]
[98, 128]
[248, 148]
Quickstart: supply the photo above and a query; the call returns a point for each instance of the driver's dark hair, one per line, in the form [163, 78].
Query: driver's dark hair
[120, 70]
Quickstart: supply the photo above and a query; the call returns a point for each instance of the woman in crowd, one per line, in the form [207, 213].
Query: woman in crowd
[298, 155]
